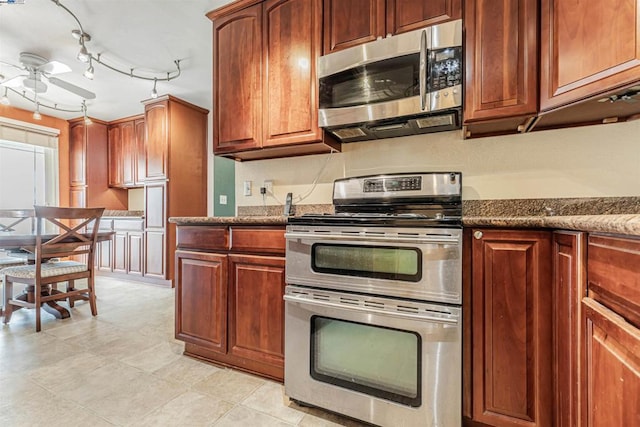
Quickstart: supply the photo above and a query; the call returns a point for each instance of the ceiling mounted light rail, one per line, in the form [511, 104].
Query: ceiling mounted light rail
[84, 55]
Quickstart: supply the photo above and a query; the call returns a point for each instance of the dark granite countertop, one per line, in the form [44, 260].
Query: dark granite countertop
[119, 213]
[617, 215]
[229, 220]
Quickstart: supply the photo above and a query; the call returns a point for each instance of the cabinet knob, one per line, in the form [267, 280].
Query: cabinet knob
[478, 235]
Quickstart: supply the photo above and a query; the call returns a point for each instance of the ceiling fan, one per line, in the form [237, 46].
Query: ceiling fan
[41, 70]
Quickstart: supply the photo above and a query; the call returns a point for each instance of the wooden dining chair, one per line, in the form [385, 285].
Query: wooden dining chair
[77, 235]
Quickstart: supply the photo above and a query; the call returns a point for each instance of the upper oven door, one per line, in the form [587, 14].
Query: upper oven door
[416, 263]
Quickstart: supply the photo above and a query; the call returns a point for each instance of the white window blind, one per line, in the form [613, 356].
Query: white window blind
[28, 165]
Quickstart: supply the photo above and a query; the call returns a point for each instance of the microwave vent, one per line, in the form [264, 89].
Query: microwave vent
[348, 133]
[436, 121]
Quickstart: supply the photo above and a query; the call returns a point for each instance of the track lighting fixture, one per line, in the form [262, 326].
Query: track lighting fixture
[5, 99]
[87, 120]
[154, 92]
[89, 71]
[36, 114]
[85, 56]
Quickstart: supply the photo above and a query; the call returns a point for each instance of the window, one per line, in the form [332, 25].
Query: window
[28, 165]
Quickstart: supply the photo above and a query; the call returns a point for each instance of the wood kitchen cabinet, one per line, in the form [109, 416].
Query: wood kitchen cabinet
[88, 167]
[126, 152]
[611, 313]
[350, 23]
[176, 177]
[265, 91]
[229, 295]
[587, 48]
[511, 328]
[569, 287]
[501, 66]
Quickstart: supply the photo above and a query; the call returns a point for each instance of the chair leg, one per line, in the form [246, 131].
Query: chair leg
[70, 287]
[7, 295]
[92, 296]
[38, 295]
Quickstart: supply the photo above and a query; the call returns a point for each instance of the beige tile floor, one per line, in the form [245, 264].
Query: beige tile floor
[124, 368]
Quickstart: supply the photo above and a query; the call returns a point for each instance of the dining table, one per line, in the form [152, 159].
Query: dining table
[23, 245]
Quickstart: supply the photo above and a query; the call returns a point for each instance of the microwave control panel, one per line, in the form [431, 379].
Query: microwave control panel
[445, 68]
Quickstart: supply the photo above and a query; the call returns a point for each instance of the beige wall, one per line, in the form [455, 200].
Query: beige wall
[590, 161]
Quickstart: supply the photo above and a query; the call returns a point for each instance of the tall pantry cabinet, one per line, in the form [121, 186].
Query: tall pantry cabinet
[176, 176]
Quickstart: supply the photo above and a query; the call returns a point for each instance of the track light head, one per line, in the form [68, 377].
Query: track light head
[88, 73]
[36, 114]
[154, 92]
[5, 99]
[83, 55]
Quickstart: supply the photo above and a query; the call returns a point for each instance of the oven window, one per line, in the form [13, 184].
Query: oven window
[380, 262]
[394, 78]
[374, 360]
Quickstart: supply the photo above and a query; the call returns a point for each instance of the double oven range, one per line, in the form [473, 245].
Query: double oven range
[373, 323]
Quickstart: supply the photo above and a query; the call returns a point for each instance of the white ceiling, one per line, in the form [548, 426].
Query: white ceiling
[147, 35]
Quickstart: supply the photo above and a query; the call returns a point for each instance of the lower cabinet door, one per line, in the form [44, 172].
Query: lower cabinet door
[611, 369]
[155, 259]
[120, 252]
[511, 321]
[135, 253]
[104, 255]
[201, 299]
[256, 308]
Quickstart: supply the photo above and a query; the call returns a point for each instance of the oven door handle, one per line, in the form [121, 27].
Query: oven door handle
[370, 310]
[384, 239]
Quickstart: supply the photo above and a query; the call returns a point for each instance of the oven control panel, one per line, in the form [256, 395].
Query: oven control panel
[381, 185]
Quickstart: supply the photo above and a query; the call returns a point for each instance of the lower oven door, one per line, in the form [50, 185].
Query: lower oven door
[381, 360]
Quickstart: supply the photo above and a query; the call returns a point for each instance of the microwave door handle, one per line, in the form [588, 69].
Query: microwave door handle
[423, 70]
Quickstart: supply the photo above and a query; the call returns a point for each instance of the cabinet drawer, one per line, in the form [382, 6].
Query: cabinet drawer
[105, 224]
[263, 240]
[128, 224]
[202, 238]
[613, 274]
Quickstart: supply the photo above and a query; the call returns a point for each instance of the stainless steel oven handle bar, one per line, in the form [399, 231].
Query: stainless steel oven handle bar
[385, 239]
[369, 310]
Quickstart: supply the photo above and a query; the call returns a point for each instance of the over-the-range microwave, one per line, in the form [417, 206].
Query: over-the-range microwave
[400, 85]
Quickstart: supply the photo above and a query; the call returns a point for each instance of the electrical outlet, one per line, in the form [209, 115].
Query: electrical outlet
[223, 199]
[268, 184]
[247, 188]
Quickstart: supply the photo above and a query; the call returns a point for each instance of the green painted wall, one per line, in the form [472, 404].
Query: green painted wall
[224, 183]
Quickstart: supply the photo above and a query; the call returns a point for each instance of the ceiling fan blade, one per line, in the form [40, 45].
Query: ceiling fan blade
[54, 67]
[9, 64]
[83, 93]
[13, 81]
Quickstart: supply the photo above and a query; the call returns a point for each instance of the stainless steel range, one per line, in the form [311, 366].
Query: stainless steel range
[373, 322]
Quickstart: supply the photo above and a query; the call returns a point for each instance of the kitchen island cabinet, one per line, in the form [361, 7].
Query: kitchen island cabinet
[229, 289]
[350, 23]
[265, 93]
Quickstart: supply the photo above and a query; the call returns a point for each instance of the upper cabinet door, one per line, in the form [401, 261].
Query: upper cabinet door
[127, 153]
[140, 165]
[292, 37]
[77, 154]
[350, 23]
[501, 59]
[353, 22]
[237, 80]
[115, 156]
[409, 15]
[588, 47]
[157, 119]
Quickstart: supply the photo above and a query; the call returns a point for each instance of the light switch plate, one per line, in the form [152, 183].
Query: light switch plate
[223, 199]
[247, 188]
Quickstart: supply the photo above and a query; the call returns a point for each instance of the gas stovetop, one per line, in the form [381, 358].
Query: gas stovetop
[430, 199]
